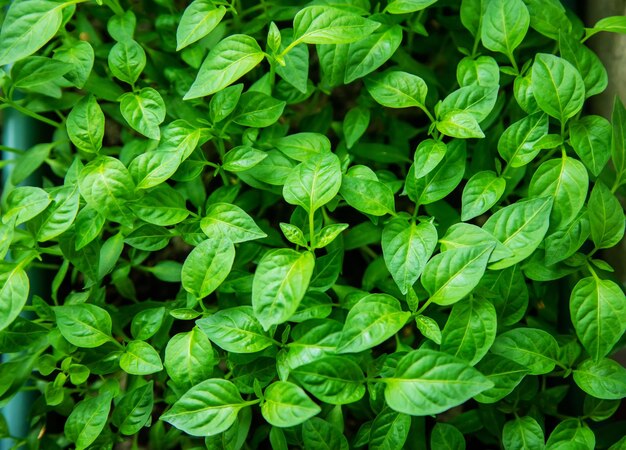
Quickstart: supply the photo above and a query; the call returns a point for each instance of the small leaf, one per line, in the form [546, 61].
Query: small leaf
[334, 379]
[140, 358]
[85, 125]
[481, 192]
[87, 420]
[504, 25]
[84, 325]
[396, 89]
[144, 111]
[327, 25]
[224, 220]
[133, 411]
[198, 20]
[127, 59]
[604, 379]
[446, 436]
[390, 430]
[606, 217]
[314, 182]
[522, 433]
[13, 295]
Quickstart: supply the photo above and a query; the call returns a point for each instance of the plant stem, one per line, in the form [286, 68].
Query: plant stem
[30, 113]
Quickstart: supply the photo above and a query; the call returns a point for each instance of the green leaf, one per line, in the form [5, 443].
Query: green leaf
[85, 125]
[408, 6]
[618, 141]
[87, 420]
[314, 182]
[189, 358]
[564, 242]
[302, 146]
[28, 26]
[371, 321]
[327, 25]
[59, 215]
[459, 124]
[318, 434]
[612, 24]
[207, 266]
[37, 74]
[106, 185]
[470, 330]
[127, 59]
[140, 358]
[590, 137]
[236, 330]
[368, 54]
[229, 60]
[84, 325]
[428, 155]
[518, 144]
[334, 379]
[333, 60]
[571, 433]
[133, 411]
[482, 71]
[429, 328]
[429, 382]
[604, 379]
[242, 158]
[566, 181]
[598, 312]
[606, 217]
[224, 101]
[224, 220]
[530, 347]
[598, 410]
[586, 62]
[406, 249]
[258, 110]
[296, 68]
[163, 206]
[24, 203]
[328, 234]
[144, 110]
[79, 57]
[505, 375]
[446, 436]
[287, 405]
[549, 18]
[523, 433]
[13, 295]
[121, 27]
[280, 282]
[397, 89]
[520, 227]
[504, 25]
[481, 192]
[199, 19]
[451, 275]
[355, 123]
[361, 189]
[390, 430]
[475, 100]
[146, 323]
[207, 408]
[440, 181]
[557, 86]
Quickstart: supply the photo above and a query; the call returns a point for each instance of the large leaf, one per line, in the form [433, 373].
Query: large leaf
[523, 433]
[390, 430]
[132, 412]
[429, 382]
[521, 227]
[85, 125]
[189, 358]
[236, 330]
[396, 89]
[606, 217]
[451, 275]
[144, 110]
[557, 86]
[406, 249]
[229, 60]
[27, 27]
[505, 375]
[335, 379]
[591, 137]
[598, 311]
[13, 295]
[230, 221]
[286, 405]
[280, 282]
[87, 420]
[530, 347]
[367, 55]
[314, 182]
[504, 25]
[327, 25]
[207, 266]
[470, 330]
[371, 321]
[207, 408]
[605, 379]
[84, 325]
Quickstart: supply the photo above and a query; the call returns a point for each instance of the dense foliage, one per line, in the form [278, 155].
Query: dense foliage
[331, 225]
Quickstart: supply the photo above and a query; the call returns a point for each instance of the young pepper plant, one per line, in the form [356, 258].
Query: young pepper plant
[344, 224]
